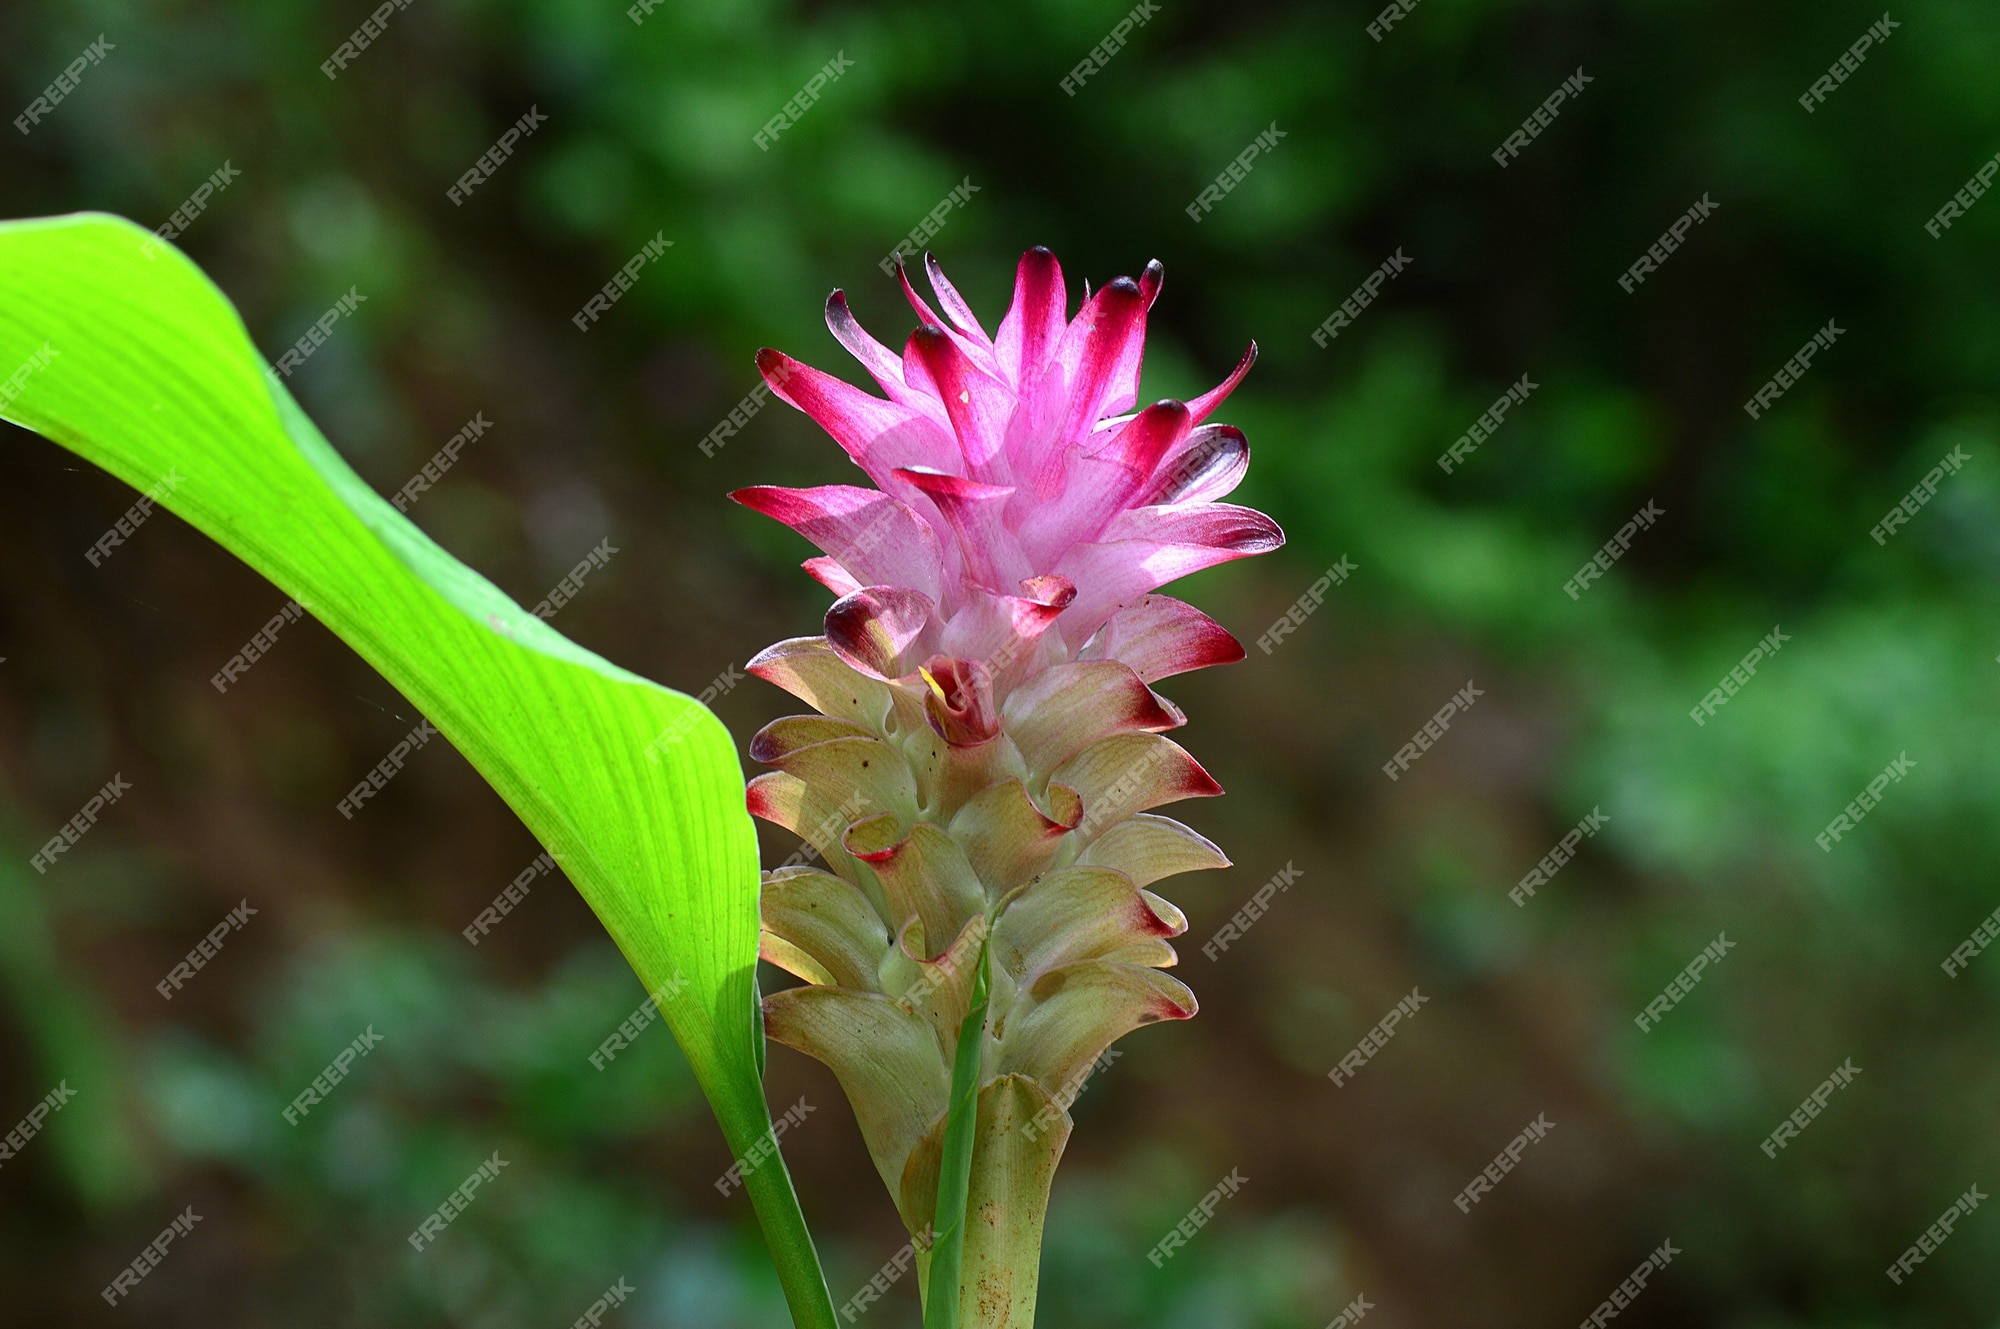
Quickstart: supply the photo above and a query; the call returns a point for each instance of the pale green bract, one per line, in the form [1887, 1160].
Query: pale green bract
[139, 364]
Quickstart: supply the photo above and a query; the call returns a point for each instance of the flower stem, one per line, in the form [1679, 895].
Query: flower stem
[784, 1224]
[955, 1166]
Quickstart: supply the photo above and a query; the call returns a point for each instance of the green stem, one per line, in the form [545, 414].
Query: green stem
[784, 1223]
[955, 1164]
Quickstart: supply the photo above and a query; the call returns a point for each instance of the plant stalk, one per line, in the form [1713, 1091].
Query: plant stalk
[955, 1167]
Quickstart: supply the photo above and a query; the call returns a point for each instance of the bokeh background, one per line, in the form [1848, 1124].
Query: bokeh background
[1893, 649]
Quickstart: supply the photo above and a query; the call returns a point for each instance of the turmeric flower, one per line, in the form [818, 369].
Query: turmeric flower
[987, 743]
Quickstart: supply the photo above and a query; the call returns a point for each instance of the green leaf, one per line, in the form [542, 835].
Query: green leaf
[119, 349]
[941, 1307]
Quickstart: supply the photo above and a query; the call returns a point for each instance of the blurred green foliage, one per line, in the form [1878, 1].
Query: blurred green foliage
[463, 1069]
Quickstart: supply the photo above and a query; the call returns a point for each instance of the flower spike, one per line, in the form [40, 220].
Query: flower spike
[979, 777]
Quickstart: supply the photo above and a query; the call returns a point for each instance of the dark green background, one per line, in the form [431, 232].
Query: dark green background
[1892, 651]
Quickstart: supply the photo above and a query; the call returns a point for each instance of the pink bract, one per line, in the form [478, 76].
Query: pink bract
[1022, 512]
